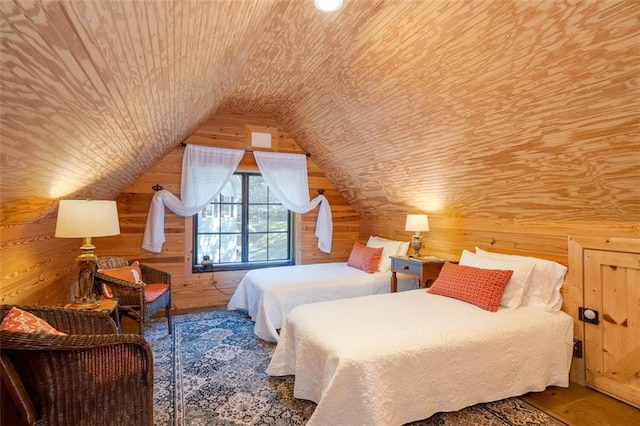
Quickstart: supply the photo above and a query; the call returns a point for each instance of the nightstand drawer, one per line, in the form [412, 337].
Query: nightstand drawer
[425, 269]
[407, 267]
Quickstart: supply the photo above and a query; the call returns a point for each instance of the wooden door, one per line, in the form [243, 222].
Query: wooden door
[612, 348]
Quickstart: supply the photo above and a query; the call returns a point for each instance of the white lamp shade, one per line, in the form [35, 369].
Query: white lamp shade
[87, 218]
[417, 222]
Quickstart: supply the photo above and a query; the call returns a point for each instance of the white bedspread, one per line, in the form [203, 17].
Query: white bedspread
[269, 294]
[394, 358]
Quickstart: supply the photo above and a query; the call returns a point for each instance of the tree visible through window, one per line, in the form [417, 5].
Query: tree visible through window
[245, 226]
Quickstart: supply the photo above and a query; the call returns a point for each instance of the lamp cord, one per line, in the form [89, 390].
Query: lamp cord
[215, 285]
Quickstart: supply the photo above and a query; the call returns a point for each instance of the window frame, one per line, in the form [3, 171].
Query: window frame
[197, 268]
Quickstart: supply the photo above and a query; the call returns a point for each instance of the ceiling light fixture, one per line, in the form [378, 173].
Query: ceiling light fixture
[327, 5]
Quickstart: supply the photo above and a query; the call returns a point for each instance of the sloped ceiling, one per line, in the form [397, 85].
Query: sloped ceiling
[427, 105]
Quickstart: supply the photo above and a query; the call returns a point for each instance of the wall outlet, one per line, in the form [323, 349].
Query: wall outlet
[577, 348]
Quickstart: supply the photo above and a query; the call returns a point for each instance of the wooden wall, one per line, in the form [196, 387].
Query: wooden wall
[191, 291]
[35, 267]
[547, 239]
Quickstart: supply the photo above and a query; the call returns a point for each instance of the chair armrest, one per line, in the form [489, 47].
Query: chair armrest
[109, 376]
[152, 275]
[126, 292]
[69, 321]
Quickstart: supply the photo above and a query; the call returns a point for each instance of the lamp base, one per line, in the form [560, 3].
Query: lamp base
[416, 245]
[80, 304]
[86, 296]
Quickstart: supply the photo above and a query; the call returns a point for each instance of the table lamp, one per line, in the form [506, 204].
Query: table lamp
[416, 223]
[86, 219]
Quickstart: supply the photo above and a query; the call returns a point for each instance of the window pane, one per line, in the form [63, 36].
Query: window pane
[258, 247]
[207, 246]
[272, 198]
[258, 190]
[278, 247]
[278, 218]
[258, 218]
[231, 220]
[209, 219]
[230, 248]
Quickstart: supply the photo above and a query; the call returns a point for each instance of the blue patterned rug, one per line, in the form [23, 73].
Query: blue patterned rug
[211, 371]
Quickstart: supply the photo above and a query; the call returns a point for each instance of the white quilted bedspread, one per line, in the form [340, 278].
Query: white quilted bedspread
[394, 358]
[269, 294]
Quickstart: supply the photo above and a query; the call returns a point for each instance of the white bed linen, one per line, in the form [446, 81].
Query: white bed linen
[269, 294]
[394, 358]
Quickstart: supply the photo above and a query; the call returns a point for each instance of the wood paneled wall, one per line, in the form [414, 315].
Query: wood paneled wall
[448, 236]
[35, 267]
[192, 291]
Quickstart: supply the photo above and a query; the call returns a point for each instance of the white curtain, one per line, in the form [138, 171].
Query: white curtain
[286, 175]
[205, 171]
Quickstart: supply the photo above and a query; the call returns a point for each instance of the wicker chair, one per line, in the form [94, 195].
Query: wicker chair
[131, 296]
[91, 376]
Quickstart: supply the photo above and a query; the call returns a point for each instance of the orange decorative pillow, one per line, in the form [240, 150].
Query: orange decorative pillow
[481, 287]
[20, 321]
[131, 273]
[365, 258]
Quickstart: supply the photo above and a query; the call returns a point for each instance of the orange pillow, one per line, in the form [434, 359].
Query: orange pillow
[481, 287]
[20, 321]
[131, 273]
[365, 258]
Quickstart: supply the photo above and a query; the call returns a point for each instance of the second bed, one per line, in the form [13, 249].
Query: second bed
[269, 294]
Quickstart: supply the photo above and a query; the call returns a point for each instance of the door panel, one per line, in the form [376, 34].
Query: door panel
[612, 287]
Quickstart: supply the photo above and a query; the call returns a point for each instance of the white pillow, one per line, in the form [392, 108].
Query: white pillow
[544, 288]
[389, 248]
[517, 285]
[404, 248]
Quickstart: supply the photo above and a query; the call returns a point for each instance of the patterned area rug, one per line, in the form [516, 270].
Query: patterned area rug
[211, 371]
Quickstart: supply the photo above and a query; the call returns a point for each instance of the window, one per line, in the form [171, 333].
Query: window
[244, 227]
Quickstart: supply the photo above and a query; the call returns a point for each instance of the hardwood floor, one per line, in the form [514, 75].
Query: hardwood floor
[581, 406]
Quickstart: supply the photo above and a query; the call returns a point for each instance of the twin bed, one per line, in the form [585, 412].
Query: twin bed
[268, 295]
[394, 358]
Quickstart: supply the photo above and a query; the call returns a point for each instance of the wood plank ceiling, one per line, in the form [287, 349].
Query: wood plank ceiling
[488, 108]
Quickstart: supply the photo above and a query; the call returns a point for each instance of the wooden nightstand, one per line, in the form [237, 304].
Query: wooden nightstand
[108, 306]
[425, 269]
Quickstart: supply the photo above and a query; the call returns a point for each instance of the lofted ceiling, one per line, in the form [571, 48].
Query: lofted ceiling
[511, 109]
